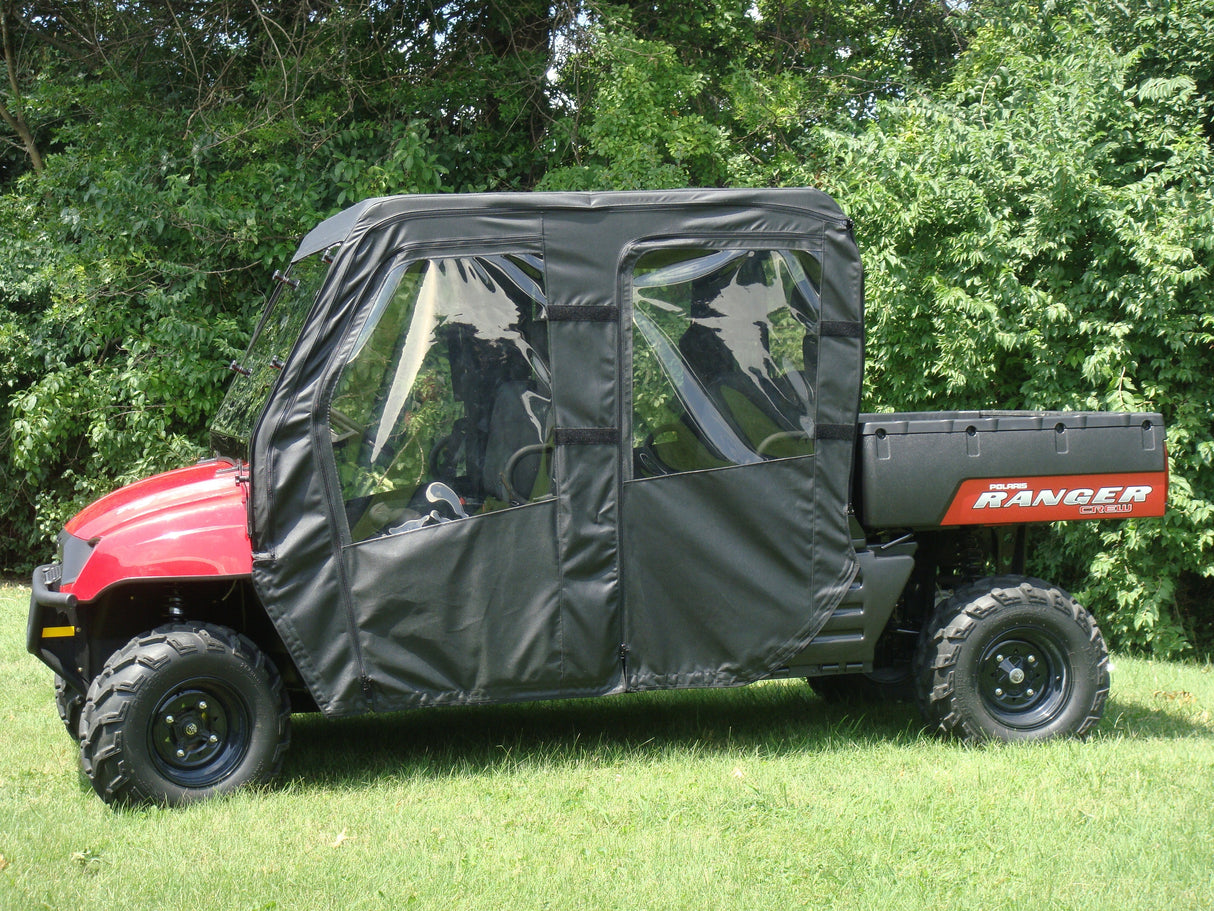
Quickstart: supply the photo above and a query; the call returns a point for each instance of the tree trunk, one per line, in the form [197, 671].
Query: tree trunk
[11, 113]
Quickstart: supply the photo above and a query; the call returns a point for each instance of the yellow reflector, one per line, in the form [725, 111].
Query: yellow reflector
[58, 632]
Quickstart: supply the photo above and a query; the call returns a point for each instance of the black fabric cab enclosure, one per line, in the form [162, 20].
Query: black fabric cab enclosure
[547, 445]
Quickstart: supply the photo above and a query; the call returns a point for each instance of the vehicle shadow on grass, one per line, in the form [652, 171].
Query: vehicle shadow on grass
[772, 720]
[1165, 716]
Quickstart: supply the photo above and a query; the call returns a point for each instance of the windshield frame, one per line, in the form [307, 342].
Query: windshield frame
[270, 346]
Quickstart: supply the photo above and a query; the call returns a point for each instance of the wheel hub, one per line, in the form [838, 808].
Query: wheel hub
[190, 730]
[1023, 677]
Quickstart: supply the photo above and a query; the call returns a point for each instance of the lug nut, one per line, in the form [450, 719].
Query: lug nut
[181, 754]
[1032, 659]
[998, 691]
[213, 739]
[168, 719]
[1029, 692]
[202, 706]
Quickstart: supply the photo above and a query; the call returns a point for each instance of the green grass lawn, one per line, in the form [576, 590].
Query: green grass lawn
[765, 797]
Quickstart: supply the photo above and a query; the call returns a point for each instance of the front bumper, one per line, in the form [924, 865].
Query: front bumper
[53, 633]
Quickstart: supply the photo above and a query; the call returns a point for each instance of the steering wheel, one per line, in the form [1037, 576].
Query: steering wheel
[507, 474]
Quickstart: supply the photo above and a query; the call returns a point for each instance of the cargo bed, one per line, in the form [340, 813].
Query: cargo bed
[951, 468]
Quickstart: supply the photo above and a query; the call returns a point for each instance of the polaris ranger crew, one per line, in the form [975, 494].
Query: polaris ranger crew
[507, 447]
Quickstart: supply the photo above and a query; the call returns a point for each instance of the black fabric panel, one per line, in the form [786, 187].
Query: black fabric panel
[725, 538]
[588, 535]
[342, 610]
[298, 517]
[731, 595]
[462, 612]
[584, 363]
[332, 230]
[840, 376]
[296, 573]
[834, 558]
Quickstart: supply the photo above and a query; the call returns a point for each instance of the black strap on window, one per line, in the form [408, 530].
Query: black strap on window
[568, 314]
[586, 436]
[841, 328]
[835, 432]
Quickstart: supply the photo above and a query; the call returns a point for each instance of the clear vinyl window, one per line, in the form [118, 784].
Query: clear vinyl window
[272, 341]
[724, 357]
[442, 410]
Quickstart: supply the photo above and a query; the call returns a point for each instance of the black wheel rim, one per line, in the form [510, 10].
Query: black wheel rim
[199, 733]
[1024, 677]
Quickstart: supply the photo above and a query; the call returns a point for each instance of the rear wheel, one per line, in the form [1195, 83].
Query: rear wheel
[184, 712]
[1012, 658]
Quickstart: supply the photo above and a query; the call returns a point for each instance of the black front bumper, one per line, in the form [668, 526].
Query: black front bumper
[53, 633]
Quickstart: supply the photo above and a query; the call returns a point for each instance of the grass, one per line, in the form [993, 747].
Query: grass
[763, 797]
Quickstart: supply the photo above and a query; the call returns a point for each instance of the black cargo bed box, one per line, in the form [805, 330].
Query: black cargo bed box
[927, 469]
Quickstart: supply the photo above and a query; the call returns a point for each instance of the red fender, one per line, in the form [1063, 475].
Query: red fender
[185, 524]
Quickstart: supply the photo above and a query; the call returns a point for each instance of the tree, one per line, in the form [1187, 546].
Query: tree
[726, 91]
[12, 104]
[1037, 235]
[182, 150]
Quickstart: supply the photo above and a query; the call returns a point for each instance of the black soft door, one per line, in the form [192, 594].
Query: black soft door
[441, 431]
[719, 515]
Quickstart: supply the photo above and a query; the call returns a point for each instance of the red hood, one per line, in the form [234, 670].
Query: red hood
[177, 491]
[187, 523]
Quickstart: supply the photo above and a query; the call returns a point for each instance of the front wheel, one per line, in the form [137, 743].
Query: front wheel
[70, 705]
[1012, 658]
[184, 712]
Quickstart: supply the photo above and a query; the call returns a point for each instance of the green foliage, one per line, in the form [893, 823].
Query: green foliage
[720, 91]
[184, 156]
[646, 133]
[1038, 235]
[1032, 191]
[148, 257]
